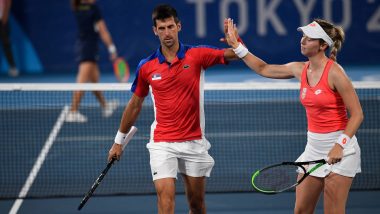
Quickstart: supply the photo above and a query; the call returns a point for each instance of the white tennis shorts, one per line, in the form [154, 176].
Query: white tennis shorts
[190, 158]
[319, 145]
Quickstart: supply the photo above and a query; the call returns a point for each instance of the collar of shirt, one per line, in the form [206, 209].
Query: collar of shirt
[180, 53]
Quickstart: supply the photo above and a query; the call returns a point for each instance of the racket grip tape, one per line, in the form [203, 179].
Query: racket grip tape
[96, 184]
[346, 152]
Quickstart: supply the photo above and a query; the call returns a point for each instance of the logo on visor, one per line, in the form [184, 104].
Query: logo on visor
[156, 77]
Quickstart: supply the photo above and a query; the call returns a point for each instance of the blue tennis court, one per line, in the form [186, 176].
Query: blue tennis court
[359, 202]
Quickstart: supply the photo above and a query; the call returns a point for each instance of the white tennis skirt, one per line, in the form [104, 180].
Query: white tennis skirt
[318, 146]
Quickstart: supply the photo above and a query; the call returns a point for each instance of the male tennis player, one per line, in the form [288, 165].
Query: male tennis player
[327, 94]
[175, 73]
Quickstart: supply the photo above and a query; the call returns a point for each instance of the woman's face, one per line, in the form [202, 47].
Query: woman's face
[310, 47]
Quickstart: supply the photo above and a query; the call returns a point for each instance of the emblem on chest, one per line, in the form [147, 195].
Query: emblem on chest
[303, 94]
[156, 77]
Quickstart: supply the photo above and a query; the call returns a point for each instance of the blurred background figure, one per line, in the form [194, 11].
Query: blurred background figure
[91, 26]
[5, 6]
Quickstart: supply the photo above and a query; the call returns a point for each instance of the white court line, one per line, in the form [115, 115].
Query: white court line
[40, 160]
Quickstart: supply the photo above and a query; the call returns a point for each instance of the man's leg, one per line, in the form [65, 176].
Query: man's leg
[195, 191]
[165, 188]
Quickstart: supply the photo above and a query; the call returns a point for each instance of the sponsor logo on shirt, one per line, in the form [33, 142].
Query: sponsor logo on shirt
[156, 77]
[186, 66]
[318, 92]
[303, 95]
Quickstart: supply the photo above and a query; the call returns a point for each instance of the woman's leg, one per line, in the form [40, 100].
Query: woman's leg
[84, 75]
[336, 192]
[307, 194]
[94, 78]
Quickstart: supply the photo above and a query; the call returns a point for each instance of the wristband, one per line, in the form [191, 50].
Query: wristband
[343, 140]
[120, 138]
[241, 51]
[112, 49]
[123, 139]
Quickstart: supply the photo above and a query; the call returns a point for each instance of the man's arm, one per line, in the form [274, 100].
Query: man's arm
[230, 55]
[130, 114]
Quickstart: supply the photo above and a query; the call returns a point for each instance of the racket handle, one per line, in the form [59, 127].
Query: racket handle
[346, 152]
[129, 136]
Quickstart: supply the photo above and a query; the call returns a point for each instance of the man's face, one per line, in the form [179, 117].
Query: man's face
[167, 31]
[88, 1]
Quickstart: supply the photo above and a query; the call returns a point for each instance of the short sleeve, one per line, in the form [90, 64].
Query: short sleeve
[210, 56]
[140, 86]
[97, 13]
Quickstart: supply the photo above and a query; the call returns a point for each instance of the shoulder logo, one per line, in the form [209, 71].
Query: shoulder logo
[186, 66]
[156, 76]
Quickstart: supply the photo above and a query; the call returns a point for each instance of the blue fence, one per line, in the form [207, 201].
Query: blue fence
[268, 27]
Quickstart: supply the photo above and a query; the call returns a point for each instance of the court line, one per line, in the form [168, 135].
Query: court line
[41, 158]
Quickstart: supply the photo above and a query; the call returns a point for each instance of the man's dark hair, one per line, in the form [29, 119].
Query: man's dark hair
[164, 11]
[75, 4]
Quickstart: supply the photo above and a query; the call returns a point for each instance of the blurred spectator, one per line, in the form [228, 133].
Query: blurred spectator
[91, 26]
[5, 6]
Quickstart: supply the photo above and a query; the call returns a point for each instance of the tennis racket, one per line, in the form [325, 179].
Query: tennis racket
[121, 69]
[285, 176]
[88, 195]
[96, 184]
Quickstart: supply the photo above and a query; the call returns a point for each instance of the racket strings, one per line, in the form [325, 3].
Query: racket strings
[121, 69]
[277, 178]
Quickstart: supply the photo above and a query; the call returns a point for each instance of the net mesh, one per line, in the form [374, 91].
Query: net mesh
[249, 126]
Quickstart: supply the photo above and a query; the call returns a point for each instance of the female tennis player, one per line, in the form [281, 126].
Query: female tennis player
[326, 93]
[91, 26]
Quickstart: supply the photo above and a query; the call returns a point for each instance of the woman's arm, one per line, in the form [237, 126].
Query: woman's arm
[106, 38]
[341, 83]
[286, 71]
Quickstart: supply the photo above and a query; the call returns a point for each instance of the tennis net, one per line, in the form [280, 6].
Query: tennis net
[249, 125]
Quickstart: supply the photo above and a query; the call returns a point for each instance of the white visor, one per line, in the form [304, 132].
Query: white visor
[315, 31]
